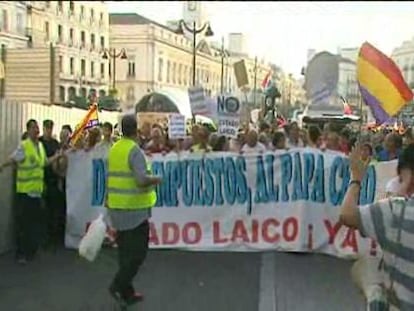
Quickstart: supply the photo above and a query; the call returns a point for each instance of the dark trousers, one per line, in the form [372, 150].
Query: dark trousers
[28, 216]
[132, 250]
[55, 203]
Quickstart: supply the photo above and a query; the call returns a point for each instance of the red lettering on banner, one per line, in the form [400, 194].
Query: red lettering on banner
[290, 229]
[216, 234]
[239, 231]
[255, 231]
[332, 230]
[195, 236]
[265, 230]
[373, 248]
[350, 240]
[170, 233]
[153, 236]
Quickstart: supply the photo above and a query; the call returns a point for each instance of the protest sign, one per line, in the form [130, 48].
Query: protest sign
[285, 201]
[197, 100]
[176, 126]
[228, 115]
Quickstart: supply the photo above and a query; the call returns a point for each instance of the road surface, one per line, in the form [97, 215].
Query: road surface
[180, 281]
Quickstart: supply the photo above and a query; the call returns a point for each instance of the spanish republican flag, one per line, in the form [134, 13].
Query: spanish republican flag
[381, 83]
[90, 120]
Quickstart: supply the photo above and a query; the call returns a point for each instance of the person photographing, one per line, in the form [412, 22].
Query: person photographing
[389, 222]
[130, 197]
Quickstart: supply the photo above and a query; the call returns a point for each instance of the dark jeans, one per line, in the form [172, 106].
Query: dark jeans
[132, 250]
[29, 221]
[55, 203]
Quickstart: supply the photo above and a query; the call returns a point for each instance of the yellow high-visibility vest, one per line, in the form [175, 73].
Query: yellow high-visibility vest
[30, 172]
[122, 188]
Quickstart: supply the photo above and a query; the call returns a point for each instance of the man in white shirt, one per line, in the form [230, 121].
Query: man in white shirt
[252, 145]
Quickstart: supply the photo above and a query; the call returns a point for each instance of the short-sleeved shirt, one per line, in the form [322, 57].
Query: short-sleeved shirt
[381, 221]
[129, 219]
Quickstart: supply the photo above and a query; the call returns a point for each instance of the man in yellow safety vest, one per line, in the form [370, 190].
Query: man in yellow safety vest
[130, 197]
[30, 158]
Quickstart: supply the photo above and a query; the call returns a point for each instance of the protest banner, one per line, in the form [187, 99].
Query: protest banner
[228, 114]
[176, 126]
[285, 201]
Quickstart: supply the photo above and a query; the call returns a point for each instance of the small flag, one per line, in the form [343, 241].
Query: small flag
[381, 83]
[90, 118]
[347, 107]
[267, 80]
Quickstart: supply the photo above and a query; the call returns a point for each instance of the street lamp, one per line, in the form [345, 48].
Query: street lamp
[223, 54]
[208, 32]
[114, 54]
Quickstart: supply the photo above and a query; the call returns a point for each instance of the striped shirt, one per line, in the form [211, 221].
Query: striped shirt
[382, 221]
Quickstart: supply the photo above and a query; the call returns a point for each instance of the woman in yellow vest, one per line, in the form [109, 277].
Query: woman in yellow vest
[130, 197]
[30, 158]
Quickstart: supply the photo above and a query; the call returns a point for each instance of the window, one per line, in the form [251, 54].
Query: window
[180, 69]
[60, 63]
[83, 39]
[185, 75]
[93, 40]
[82, 12]
[102, 70]
[62, 93]
[101, 19]
[72, 66]
[83, 92]
[47, 32]
[71, 36]
[71, 7]
[60, 6]
[5, 21]
[47, 4]
[131, 69]
[60, 33]
[19, 23]
[92, 69]
[174, 73]
[83, 67]
[102, 42]
[168, 71]
[92, 15]
[160, 68]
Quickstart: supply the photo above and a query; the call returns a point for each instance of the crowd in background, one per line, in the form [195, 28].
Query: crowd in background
[381, 145]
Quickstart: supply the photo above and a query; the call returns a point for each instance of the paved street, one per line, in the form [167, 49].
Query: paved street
[177, 281]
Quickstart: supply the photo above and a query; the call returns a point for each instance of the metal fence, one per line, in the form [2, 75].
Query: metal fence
[13, 118]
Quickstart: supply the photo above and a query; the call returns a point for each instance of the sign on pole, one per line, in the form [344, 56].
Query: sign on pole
[197, 100]
[228, 113]
[176, 126]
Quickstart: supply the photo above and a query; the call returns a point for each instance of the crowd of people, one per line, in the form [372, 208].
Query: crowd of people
[383, 145]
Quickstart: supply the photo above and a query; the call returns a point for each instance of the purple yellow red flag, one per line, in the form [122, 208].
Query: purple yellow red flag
[381, 83]
[90, 118]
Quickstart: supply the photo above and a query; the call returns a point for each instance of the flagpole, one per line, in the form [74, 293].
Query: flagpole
[361, 118]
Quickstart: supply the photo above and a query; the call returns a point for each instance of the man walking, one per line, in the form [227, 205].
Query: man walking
[130, 197]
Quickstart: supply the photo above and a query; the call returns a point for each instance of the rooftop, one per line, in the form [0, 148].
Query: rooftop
[133, 19]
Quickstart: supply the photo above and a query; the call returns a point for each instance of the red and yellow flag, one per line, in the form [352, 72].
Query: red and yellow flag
[90, 120]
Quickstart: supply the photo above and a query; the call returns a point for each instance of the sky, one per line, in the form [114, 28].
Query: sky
[282, 32]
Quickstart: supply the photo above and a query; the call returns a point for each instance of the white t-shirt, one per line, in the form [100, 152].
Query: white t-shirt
[258, 148]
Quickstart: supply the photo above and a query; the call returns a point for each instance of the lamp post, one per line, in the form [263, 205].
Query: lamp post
[224, 54]
[208, 32]
[114, 54]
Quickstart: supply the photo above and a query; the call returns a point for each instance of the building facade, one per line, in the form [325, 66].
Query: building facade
[403, 56]
[158, 58]
[79, 32]
[13, 24]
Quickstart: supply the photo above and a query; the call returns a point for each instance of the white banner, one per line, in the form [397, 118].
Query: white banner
[286, 201]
